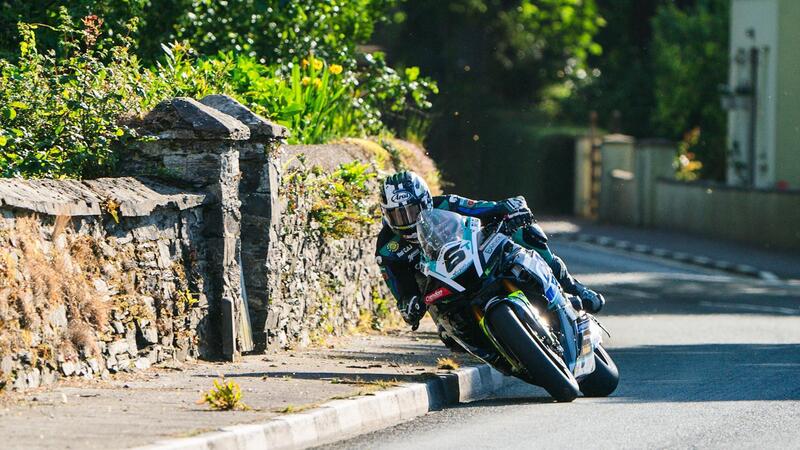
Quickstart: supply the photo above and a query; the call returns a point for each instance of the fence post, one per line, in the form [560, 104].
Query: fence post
[583, 177]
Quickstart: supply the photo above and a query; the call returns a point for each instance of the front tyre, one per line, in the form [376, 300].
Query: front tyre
[542, 365]
[605, 378]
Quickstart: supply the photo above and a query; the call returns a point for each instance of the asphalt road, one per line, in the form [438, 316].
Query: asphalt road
[707, 360]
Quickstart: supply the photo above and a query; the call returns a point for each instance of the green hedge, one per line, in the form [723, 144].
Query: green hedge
[65, 108]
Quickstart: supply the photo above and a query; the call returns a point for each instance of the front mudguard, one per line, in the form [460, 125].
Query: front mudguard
[528, 314]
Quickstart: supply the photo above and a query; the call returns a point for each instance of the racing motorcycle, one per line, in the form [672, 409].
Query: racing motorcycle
[502, 303]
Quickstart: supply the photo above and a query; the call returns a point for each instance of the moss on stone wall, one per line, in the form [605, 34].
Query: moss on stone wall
[322, 275]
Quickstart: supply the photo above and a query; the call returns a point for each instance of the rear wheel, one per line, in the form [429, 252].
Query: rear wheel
[544, 367]
[605, 378]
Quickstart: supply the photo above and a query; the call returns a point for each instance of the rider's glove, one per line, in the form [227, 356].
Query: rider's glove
[518, 214]
[414, 311]
[592, 301]
[519, 219]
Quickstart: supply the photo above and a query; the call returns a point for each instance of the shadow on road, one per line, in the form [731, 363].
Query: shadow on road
[691, 373]
[664, 295]
[719, 372]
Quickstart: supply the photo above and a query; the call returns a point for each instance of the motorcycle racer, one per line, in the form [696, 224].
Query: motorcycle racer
[405, 194]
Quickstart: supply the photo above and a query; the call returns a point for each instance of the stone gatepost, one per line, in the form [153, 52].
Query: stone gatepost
[654, 158]
[617, 181]
[258, 190]
[193, 144]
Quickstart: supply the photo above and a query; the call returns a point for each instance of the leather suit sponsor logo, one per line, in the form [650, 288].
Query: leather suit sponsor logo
[436, 295]
[490, 246]
[406, 249]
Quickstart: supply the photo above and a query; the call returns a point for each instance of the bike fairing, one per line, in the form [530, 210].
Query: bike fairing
[398, 258]
[454, 256]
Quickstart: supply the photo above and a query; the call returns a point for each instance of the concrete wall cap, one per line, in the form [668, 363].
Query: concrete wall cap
[185, 118]
[259, 126]
[135, 196]
[618, 139]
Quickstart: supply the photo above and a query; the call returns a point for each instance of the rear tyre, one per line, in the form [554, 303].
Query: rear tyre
[544, 367]
[605, 378]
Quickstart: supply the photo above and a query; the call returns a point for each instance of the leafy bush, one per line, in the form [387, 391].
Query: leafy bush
[281, 31]
[116, 13]
[60, 115]
[316, 100]
[495, 52]
[403, 98]
[63, 109]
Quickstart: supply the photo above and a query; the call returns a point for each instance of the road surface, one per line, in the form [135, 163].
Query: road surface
[706, 360]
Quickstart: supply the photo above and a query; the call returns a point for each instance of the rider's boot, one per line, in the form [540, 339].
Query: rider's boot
[592, 301]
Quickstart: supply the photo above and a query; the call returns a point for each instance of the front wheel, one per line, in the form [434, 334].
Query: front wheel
[605, 378]
[543, 366]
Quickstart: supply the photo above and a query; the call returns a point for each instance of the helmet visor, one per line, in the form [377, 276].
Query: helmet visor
[403, 217]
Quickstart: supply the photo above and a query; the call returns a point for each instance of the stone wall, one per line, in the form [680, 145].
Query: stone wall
[318, 285]
[197, 255]
[98, 277]
[205, 145]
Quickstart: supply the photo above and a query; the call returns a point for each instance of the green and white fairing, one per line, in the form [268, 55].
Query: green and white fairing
[467, 260]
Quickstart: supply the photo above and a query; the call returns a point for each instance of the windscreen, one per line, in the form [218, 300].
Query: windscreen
[435, 228]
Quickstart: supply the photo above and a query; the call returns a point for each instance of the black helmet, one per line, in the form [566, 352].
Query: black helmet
[403, 196]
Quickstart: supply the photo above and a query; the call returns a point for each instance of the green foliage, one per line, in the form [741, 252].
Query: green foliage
[509, 50]
[60, 115]
[280, 31]
[690, 62]
[403, 97]
[224, 396]
[316, 100]
[619, 86]
[342, 206]
[487, 55]
[116, 13]
[659, 76]
[340, 200]
[64, 108]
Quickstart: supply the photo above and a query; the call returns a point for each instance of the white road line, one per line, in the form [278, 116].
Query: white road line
[635, 293]
[747, 307]
[611, 278]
